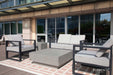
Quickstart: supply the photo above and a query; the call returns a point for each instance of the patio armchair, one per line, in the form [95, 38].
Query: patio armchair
[15, 43]
[100, 58]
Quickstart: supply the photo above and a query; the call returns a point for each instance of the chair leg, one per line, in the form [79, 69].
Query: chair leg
[6, 54]
[73, 68]
[20, 56]
[110, 72]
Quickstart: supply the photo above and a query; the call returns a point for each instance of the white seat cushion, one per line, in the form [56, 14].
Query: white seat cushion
[102, 61]
[90, 58]
[24, 48]
[64, 38]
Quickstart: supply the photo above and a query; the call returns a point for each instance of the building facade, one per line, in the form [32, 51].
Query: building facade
[39, 19]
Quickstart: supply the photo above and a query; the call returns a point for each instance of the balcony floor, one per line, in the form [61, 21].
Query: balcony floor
[7, 70]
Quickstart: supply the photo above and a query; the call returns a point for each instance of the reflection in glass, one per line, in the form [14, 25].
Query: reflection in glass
[60, 26]
[72, 22]
[86, 27]
[4, 5]
[7, 28]
[41, 26]
[51, 29]
[10, 3]
[1, 30]
[20, 27]
[102, 27]
[29, 1]
[41, 38]
[13, 28]
[38, 0]
[22, 1]
[18, 2]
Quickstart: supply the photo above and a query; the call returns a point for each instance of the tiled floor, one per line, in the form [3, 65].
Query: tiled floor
[8, 70]
[39, 69]
[11, 71]
[33, 68]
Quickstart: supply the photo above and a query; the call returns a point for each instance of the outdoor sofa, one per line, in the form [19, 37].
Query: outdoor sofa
[15, 43]
[101, 58]
[55, 56]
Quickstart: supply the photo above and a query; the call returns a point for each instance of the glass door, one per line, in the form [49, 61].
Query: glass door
[102, 27]
[56, 26]
[7, 28]
[86, 27]
[51, 29]
[41, 33]
[60, 26]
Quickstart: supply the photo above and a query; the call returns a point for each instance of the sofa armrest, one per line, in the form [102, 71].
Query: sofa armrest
[31, 40]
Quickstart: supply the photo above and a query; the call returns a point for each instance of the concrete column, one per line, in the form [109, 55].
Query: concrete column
[33, 29]
[111, 31]
[27, 30]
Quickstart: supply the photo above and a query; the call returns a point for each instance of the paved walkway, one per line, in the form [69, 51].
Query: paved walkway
[7, 70]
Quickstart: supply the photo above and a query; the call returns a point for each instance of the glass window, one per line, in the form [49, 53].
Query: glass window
[60, 26]
[102, 27]
[1, 30]
[13, 28]
[22, 1]
[51, 29]
[86, 27]
[7, 28]
[20, 27]
[17, 2]
[10, 3]
[41, 38]
[29, 1]
[72, 22]
[41, 26]
[38, 0]
[4, 5]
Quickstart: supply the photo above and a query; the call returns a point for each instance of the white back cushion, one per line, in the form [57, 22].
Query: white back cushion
[64, 38]
[108, 43]
[75, 39]
[14, 38]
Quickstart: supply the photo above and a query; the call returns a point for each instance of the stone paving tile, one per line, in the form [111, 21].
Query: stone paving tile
[7, 70]
[4, 69]
[16, 72]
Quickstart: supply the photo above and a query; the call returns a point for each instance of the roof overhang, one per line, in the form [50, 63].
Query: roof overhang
[48, 4]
